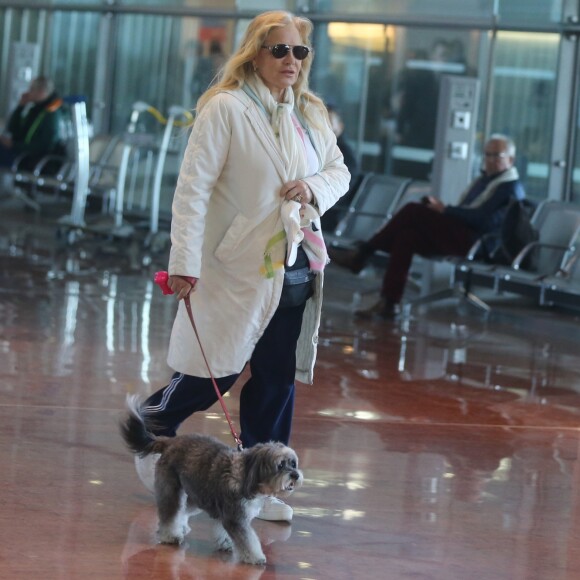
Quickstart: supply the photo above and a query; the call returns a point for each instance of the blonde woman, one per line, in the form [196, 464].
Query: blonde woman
[261, 167]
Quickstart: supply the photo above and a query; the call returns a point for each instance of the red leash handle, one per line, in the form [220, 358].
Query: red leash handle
[161, 280]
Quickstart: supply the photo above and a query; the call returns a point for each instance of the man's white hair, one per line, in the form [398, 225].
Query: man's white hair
[509, 142]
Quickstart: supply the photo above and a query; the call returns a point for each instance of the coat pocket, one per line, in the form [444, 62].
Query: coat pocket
[228, 248]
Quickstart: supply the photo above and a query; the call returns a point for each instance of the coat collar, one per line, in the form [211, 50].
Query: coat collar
[261, 125]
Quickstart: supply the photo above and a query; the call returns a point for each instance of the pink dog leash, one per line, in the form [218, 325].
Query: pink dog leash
[161, 280]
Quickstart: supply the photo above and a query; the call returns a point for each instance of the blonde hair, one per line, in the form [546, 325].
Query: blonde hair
[240, 67]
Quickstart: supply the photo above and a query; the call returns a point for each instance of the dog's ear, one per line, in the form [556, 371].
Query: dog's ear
[259, 469]
[251, 480]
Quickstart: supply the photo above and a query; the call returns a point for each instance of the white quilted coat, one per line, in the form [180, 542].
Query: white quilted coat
[225, 210]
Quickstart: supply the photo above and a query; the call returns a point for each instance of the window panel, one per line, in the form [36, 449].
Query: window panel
[362, 68]
[531, 12]
[68, 43]
[417, 8]
[385, 82]
[524, 83]
[575, 185]
[166, 61]
[70, 52]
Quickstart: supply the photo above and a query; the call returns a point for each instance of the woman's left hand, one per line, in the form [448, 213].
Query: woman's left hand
[297, 190]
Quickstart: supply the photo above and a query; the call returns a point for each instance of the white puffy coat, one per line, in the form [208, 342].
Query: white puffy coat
[226, 208]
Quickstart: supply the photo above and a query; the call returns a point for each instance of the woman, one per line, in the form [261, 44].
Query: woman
[261, 159]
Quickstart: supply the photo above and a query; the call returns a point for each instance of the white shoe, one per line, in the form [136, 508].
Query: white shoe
[275, 510]
[145, 467]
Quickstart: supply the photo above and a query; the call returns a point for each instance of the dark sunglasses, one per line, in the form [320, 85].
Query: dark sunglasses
[281, 50]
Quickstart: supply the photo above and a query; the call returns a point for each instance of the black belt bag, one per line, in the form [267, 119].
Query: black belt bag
[302, 276]
[298, 282]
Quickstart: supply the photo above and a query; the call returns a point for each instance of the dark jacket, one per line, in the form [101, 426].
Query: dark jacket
[36, 131]
[488, 216]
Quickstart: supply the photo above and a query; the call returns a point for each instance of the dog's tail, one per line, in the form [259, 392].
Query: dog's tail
[135, 432]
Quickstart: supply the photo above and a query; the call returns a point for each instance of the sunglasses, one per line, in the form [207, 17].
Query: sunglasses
[281, 50]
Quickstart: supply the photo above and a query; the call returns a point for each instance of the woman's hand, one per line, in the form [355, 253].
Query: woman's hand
[297, 190]
[182, 286]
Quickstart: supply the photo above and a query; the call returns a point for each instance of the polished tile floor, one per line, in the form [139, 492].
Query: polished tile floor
[444, 447]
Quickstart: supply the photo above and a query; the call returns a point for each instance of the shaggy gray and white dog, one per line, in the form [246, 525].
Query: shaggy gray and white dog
[198, 472]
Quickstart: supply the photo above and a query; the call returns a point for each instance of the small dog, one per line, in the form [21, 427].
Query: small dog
[198, 472]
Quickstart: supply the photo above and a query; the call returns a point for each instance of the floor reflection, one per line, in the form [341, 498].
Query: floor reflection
[443, 446]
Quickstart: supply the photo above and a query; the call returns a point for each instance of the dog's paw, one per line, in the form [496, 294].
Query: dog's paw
[224, 544]
[222, 540]
[167, 537]
[253, 555]
[256, 560]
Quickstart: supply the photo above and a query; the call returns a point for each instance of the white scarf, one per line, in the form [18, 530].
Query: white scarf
[291, 147]
[300, 231]
[295, 162]
[510, 174]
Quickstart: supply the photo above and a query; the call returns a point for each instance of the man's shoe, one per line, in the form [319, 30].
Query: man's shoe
[354, 260]
[384, 309]
[145, 467]
[275, 510]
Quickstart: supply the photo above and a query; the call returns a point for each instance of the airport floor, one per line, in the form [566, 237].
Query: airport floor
[441, 447]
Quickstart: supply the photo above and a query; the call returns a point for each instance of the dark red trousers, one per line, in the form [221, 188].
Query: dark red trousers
[417, 229]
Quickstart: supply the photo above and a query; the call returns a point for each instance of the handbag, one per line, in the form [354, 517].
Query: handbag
[298, 282]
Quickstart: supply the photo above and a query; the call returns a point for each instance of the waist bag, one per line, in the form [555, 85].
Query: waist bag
[298, 282]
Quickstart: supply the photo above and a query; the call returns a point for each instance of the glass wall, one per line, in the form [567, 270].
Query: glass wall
[441, 10]
[522, 101]
[385, 81]
[169, 60]
[71, 44]
[530, 12]
[575, 169]
[67, 42]
[382, 74]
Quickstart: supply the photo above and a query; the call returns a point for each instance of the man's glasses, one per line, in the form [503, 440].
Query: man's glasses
[501, 155]
[281, 50]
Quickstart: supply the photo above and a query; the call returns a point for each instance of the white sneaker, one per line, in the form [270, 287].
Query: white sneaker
[275, 510]
[145, 467]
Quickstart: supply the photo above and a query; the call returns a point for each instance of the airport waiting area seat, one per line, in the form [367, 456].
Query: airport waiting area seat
[373, 204]
[125, 177]
[53, 176]
[544, 270]
[539, 264]
[377, 199]
[563, 288]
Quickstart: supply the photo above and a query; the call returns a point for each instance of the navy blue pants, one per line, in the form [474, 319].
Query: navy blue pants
[266, 400]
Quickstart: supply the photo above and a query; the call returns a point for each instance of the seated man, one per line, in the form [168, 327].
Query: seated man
[432, 229]
[34, 126]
